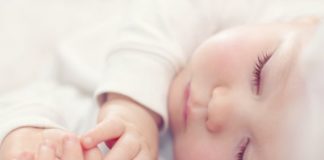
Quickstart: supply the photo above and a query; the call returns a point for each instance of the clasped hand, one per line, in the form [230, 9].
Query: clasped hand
[127, 128]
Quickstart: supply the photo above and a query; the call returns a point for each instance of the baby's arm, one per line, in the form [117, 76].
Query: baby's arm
[129, 129]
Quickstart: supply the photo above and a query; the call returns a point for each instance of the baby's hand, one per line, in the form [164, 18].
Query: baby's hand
[26, 141]
[127, 128]
[71, 151]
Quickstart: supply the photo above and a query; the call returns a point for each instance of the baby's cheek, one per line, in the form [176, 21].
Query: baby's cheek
[220, 64]
[200, 145]
[185, 151]
[295, 94]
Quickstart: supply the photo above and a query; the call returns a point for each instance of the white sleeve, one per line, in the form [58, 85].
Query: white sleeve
[155, 41]
[44, 105]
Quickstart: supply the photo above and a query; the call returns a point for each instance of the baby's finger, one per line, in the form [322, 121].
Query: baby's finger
[93, 154]
[126, 148]
[72, 148]
[106, 130]
[56, 136]
[46, 151]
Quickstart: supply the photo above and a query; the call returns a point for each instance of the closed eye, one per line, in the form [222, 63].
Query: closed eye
[257, 79]
[243, 147]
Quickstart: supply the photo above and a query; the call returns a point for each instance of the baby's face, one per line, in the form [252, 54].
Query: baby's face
[236, 98]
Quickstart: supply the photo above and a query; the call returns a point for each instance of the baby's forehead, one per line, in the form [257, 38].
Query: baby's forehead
[237, 40]
[248, 38]
[242, 35]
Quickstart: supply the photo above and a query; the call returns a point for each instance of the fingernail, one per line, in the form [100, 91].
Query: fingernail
[47, 146]
[69, 140]
[87, 141]
[44, 148]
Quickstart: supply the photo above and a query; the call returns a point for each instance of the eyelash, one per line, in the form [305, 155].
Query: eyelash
[262, 60]
[240, 155]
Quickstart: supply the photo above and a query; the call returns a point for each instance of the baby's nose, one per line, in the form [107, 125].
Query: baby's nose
[220, 109]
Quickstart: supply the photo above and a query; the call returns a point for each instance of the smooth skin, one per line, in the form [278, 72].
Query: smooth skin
[26, 140]
[50, 144]
[217, 108]
[223, 106]
[72, 150]
[130, 130]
